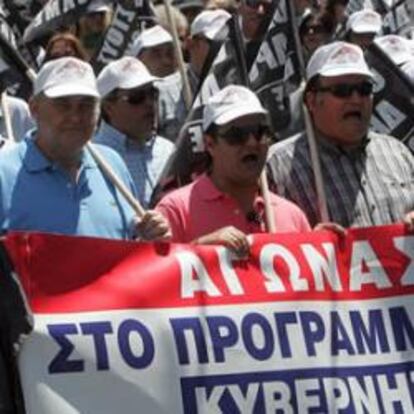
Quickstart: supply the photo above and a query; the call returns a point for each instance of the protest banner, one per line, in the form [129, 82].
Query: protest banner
[308, 324]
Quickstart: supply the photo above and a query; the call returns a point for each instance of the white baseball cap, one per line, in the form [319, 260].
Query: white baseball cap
[337, 59]
[396, 47]
[125, 73]
[209, 23]
[66, 76]
[364, 21]
[232, 102]
[151, 37]
[99, 6]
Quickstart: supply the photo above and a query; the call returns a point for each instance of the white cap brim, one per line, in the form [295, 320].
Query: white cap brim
[366, 29]
[134, 83]
[70, 90]
[339, 71]
[238, 113]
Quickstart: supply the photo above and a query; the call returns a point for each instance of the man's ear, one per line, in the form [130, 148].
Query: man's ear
[107, 109]
[188, 43]
[34, 107]
[310, 100]
[209, 142]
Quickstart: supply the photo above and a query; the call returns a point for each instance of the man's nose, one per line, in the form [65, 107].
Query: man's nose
[261, 9]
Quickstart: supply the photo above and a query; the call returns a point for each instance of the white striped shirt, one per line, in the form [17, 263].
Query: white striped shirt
[370, 185]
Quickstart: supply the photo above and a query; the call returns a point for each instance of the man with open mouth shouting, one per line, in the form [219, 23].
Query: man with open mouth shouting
[368, 178]
[225, 204]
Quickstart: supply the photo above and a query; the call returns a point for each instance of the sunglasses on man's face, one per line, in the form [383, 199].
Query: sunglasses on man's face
[315, 29]
[345, 90]
[139, 97]
[240, 135]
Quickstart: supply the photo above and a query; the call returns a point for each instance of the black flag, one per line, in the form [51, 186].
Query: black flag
[273, 74]
[190, 158]
[15, 72]
[276, 71]
[130, 18]
[55, 14]
[393, 107]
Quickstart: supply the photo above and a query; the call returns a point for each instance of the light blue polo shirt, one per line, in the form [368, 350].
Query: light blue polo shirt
[145, 161]
[37, 195]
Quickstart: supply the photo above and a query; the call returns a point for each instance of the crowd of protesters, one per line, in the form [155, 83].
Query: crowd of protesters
[132, 112]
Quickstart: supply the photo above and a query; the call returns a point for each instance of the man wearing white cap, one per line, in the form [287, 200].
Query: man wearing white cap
[49, 182]
[154, 47]
[225, 204]
[255, 16]
[362, 27]
[368, 178]
[129, 107]
[93, 24]
[397, 48]
[208, 30]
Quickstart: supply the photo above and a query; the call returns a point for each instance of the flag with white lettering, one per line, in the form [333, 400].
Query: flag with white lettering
[276, 72]
[229, 67]
[190, 159]
[309, 323]
[54, 14]
[129, 19]
[393, 105]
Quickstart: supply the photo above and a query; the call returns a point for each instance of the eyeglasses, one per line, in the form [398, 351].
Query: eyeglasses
[138, 97]
[255, 4]
[315, 29]
[345, 90]
[240, 135]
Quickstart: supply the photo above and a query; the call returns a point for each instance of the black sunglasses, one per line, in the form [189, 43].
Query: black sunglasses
[315, 29]
[138, 97]
[240, 135]
[345, 90]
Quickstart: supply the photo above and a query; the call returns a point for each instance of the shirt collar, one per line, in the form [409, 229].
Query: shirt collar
[120, 140]
[335, 148]
[210, 192]
[34, 160]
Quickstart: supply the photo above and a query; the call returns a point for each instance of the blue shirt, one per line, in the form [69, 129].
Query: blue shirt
[37, 195]
[145, 161]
